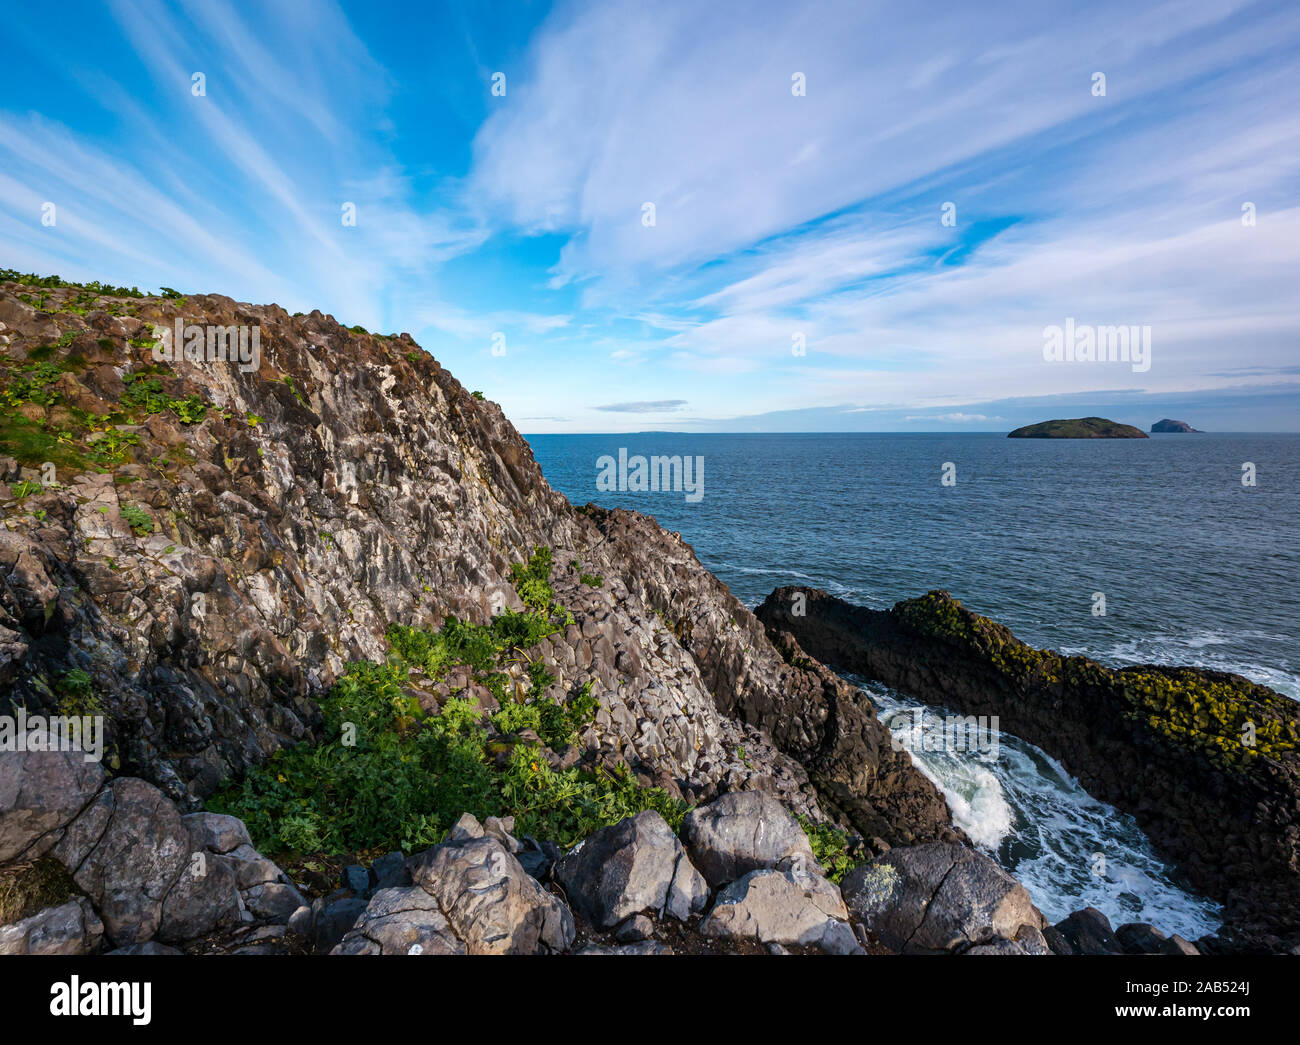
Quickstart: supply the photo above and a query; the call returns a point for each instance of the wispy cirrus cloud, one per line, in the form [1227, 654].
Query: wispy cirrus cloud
[798, 259]
[657, 406]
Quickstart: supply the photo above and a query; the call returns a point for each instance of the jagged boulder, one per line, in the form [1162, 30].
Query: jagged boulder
[741, 832]
[783, 907]
[402, 920]
[1088, 932]
[491, 903]
[635, 866]
[130, 869]
[938, 898]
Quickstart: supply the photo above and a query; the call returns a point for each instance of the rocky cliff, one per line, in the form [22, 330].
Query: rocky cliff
[309, 578]
[197, 547]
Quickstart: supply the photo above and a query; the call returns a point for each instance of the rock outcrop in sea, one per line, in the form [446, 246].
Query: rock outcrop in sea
[1078, 428]
[1207, 762]
[1168, 425]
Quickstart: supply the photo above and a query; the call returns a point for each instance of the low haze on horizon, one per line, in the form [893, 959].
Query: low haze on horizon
[732, 218]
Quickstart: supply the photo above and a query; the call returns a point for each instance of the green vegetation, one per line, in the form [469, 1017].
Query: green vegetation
[830, 845]
[70, 437]
[138, 519]
[30, 279]
[391, 775]
[1078, 428]
[110, 447]
[1184, 706]
[477, 395]
[25, 488]
[592, 580]
[1214, 715]
[144, 395]
[33, 382]
[75, 694]
[288, 380]
[533, 579]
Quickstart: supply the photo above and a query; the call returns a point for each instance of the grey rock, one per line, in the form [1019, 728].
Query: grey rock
[1032, 940]
[148, 947]
[997, 946]
[939, 897]
[221, 832]
[785, 907]
[1056, 942]
[302, 922]
[634, 866]
[129, 872]
[465, 828]
[404, 920]
[41, 792]
[1140, 938]
[356, 878]
[72, 928]
[539, 858]
[493, 905]
[333, 920]
[274, 901]
[643, 947]
[745, 831]
[1088, 932]
[203, 898]
[635, 929]
[252, 871]
[390, 871]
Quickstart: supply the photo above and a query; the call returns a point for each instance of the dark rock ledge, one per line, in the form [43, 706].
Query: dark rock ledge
[1164, 744]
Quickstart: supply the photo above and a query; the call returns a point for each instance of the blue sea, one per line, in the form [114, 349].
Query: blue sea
[1195, 568]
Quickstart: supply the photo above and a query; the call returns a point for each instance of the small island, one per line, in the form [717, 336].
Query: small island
[1078, 428]
[1169, 425]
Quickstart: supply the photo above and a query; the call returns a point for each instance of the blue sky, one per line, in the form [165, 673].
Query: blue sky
[777, 215]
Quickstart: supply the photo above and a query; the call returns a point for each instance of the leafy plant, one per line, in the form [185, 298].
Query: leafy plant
[389, 775]
[830, 845]
[138, 519]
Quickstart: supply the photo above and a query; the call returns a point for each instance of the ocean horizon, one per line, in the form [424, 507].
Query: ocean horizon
[1195, 569]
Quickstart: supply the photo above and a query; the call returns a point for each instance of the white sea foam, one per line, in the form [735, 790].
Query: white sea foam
[1069, 849]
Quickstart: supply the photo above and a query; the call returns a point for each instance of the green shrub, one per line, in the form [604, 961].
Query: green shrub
[388, 775]
[830, 845]
[144, 394]
[138, 519]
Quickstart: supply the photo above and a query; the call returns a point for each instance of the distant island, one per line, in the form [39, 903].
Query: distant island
[1168, 425]
[1079, 428]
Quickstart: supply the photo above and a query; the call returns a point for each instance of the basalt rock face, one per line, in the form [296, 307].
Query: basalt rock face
[1164, 744]
[216, 543]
